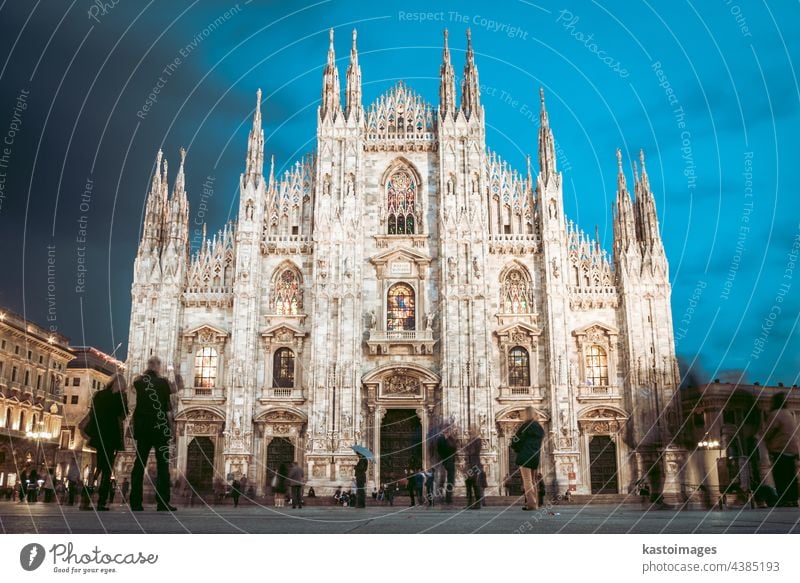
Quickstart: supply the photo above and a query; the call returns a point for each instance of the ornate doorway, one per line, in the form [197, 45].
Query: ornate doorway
[603, 465]
[513, 483]
[401, 444]
[280, 451]
[200, 464]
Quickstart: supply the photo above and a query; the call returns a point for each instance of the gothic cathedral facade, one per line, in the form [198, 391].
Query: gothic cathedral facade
[400, 277]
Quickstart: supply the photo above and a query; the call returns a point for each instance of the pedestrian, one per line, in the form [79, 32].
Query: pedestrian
[279, 486]
[311, 493]
[60, 490]
[388, 492]
[124, 489]
[49, 486]
[337, 495]
[23, 486]
[152, 430]
[780, 435]
[296, 483]
[73, 476]
[360, 472]
[540, 489]
[104, 430]
[236, 487]
[411, 486]
[430, 486]
[419, 485]
[527, 443]
[446, 448]
[33, 486]
[375, 493]
[474, 471]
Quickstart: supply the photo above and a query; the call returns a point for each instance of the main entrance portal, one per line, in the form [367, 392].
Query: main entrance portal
[603, 465]
[280, 452]
[200, 465]
[401, 444]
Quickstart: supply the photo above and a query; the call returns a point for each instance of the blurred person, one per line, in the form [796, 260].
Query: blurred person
[474, 471]
[236, 487]
[361, 481]
[279, 486]
[527, 443]
[296, 484]
[446, 448]
[108, 412]
[540, 489]
[152, 430]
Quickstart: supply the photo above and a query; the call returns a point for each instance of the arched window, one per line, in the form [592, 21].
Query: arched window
[596, 366]
[283, 368]
[401, 191]
[22, 420]
[288, 293]
[205, 368]
[8, 418]
[515, 293]
[519, 371]
[400, 308]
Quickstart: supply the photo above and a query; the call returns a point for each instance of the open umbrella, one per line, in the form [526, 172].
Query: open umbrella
[363, 451]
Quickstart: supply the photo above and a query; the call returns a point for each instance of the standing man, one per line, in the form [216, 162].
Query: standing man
[73, 477]
[446, 448]
[296, 483]
[152, 430]
[474, 471]
[109, 409]
[528, 444]
[781, 440]
[361, 481]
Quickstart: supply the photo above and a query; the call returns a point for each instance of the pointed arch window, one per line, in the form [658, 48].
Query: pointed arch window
[400, 308]
[205, 368]
[283, 369]
[288, 293]
[596, 366]
[401, 194]
[519, 369]
[22, 420]
[515, 293]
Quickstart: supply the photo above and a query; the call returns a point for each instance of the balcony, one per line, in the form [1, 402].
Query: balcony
[383, 341]
[519, 394]
[597, 393]
[294, 395]
[204, 394]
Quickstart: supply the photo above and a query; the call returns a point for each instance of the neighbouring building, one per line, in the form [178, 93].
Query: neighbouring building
[88, 372]
[726, 420]
[400, 276]
[32, 365]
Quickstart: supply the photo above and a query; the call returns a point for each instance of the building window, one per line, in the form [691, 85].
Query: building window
[515, 293]
[8, 418]
[401, 203]
[38, 382]
[13, 374]
[1, 369]
[27, 378]
[74, 400]
[76, 381]
[205, 368]
[519, 370]
[65, 439]
[400, 308]
[283, 368]
[596, 367]
[16, 349]
[41, 359]
[21, 425]
[288, 293]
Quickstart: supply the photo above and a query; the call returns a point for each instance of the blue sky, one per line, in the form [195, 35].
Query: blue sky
[708, 90]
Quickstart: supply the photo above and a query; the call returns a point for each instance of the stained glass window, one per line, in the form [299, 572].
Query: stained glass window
[283, 368]
[515, 293]
[205, 368]
[400, 308]
[288, 293]
[596, 366]
[519, 372]
[401, 203]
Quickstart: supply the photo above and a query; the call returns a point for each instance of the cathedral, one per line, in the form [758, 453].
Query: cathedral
[400, 277]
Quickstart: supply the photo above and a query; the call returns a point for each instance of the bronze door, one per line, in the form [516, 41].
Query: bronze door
[200, 464]
[514, 479]
[603, 465]
[280, 452]
[401, 444]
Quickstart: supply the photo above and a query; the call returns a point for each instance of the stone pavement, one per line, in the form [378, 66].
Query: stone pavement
[50, 518]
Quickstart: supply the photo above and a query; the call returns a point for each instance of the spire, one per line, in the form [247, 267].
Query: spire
[254, 165]
[447, 83]
[647, 218]
[547, 150]
[331, 101]
[353, 90]
[154, 210]
[470, 88]
[179, 192]
[624, 219]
